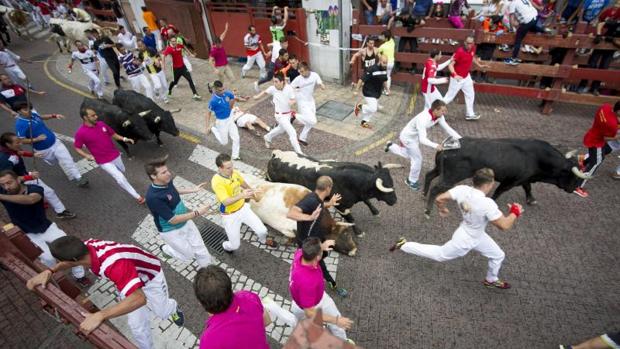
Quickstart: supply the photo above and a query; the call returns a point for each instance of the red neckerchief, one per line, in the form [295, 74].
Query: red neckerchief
[433, 117]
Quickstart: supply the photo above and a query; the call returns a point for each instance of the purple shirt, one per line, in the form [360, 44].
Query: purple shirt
[219, 55]
[306, 283]
[240, 326]
[98, 140]
[457, 7]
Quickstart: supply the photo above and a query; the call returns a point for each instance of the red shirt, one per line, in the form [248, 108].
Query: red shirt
[45, 9]
[463, 60]
[177, 55]
[128, 266]
[164, 31]
[605, 125]
[430, 71]
[611, 13]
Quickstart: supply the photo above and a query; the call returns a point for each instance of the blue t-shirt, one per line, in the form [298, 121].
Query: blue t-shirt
[422, 7]
[165, 203]
[220, 105]
[23, 126]
[30, 218]
[150, 41]
[592, 8]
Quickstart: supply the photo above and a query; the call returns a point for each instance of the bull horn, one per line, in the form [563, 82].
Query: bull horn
[345, 224]
[379, 184]
[388, 166]
[570, 154]
[157, 119]
[580, 174]
[144, 113]
[126, 123]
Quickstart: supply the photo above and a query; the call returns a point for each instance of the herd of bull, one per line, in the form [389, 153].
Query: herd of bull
[516, 162]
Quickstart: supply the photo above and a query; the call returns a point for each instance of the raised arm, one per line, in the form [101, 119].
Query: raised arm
[223, 35]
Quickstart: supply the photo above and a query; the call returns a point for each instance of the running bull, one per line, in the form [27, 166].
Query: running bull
[273, 202]
[121, 122]
[157, 119]
[516, 162]
[354, 181]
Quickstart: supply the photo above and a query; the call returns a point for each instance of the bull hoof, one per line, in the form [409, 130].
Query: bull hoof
[376, 213]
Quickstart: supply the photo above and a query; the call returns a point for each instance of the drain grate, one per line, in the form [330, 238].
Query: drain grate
[335, 110]
[213, 235]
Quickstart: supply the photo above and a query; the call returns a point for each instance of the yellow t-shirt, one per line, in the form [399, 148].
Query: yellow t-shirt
[149, 18]
[387, 48]
[225, 188]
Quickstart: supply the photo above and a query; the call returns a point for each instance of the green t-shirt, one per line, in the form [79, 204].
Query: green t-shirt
[277, 32]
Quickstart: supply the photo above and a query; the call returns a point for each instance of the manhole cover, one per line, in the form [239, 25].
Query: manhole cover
[213, 235]
[335, 110]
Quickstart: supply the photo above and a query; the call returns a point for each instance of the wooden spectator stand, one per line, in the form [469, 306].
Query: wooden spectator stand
[61, 298]
[524, 74]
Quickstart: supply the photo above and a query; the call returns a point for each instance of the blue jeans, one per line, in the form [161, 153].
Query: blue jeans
[370, 16]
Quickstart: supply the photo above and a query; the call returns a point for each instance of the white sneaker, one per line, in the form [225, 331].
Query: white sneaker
[472, 117]
[267, 143]
[256, 87]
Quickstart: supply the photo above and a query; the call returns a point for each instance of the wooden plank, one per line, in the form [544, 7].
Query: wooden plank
[586, 98]
[515, 91]
[595, 74]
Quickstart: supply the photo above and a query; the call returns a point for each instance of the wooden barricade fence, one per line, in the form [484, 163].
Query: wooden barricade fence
[568, 72]
[61, 297]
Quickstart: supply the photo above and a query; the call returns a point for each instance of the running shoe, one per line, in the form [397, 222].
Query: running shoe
[341, 291]
[304, 143]
[615, 175]
[82, 182]
[398, 244]
[271, 243]
[196, 97]
[562, 346]
[178, 317]
[237, 158]
[84, 282]
[267, 143]
[472, 117]
[497, 284]
[412, 185]
[256, 88]
[357, 109]
[511, 61]
[66, 214]
[387, 146]
[365, 124]
[163, 252]
[581, 192]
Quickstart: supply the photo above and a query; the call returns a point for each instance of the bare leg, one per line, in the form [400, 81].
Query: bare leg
[594, 343]
[262, 124]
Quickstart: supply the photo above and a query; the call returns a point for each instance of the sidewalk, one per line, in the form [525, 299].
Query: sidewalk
[192, 116]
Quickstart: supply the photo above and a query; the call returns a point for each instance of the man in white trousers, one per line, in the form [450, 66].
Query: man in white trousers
[460, 79]
[172, 218]
[373, 80]
[414, 133]
[477, 210]
[135, 71]
[31, 129]
[220, 107]
[283, 100]
[430, 79]
[97, 137]
[152, 62]
[304, 86]
[90, 65]
[12, 158]
[231, 191]
[307, 287]
[8, 61]
[103, 65]
[254, 51]
[24, 204]
[137, 275]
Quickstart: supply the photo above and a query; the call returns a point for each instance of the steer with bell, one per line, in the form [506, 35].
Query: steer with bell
[354, 181]
[516, 162]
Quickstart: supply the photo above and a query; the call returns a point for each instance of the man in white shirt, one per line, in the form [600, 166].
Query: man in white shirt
[254, 51]
[8, 60]
[126, 38]
[283, 100]
[414, 133]
[477, 210]
[524, 15]
[304, 86]
[90, 66]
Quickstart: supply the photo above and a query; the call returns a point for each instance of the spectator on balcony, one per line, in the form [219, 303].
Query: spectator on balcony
[151, 22]
[422, 10]
[384, 12]
[387, 49]
[570, 12]
[525, 16]
[494, 25]
[370, 9]
[406, 17]
[608, 28]
[592, 9]
[455, 14]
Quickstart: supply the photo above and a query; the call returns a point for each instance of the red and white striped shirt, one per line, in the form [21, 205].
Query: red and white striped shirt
[128, 266]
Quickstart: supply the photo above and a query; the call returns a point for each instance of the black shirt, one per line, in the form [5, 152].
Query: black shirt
[373, 80]
[369, 60]
[292, 73]
[105, 52]
[30, 218]
[9, 161]
[306, 229]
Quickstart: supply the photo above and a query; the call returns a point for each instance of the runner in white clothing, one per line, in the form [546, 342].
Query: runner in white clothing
[304, 86]
[90, 66]
[414, 133]
[477, 210]
[247, 120]
[126, 38]
[8, 60]
[283, 99]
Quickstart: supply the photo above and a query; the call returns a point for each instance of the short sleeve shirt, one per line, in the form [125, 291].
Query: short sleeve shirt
[23, 127]
[219, 56]
[220, 105]
[239, 326]
[614, 15]
[251, 44]
[306, 283]
[387, 49]
[98, 140]
[305, 86]
[164, 202]
[605, 124]
[281, 98]
[225, 188]
[12, 94]
[463, 60]
[422, 7]
[176, 52]
[306, 229]
[373, 79]
[11, 161]
[149, 56]
[30, 218]
[86, 58]
[481, 209]
[149, 19]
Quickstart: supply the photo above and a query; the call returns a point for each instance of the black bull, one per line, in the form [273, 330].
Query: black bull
[354, 181]
[516, 162]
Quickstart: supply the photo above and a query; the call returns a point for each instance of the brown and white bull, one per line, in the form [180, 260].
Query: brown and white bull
[273, 202]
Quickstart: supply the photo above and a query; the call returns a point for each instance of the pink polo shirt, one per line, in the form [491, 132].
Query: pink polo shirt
[98, 140]
[219, 56]
[306, 283]
[241, 326]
